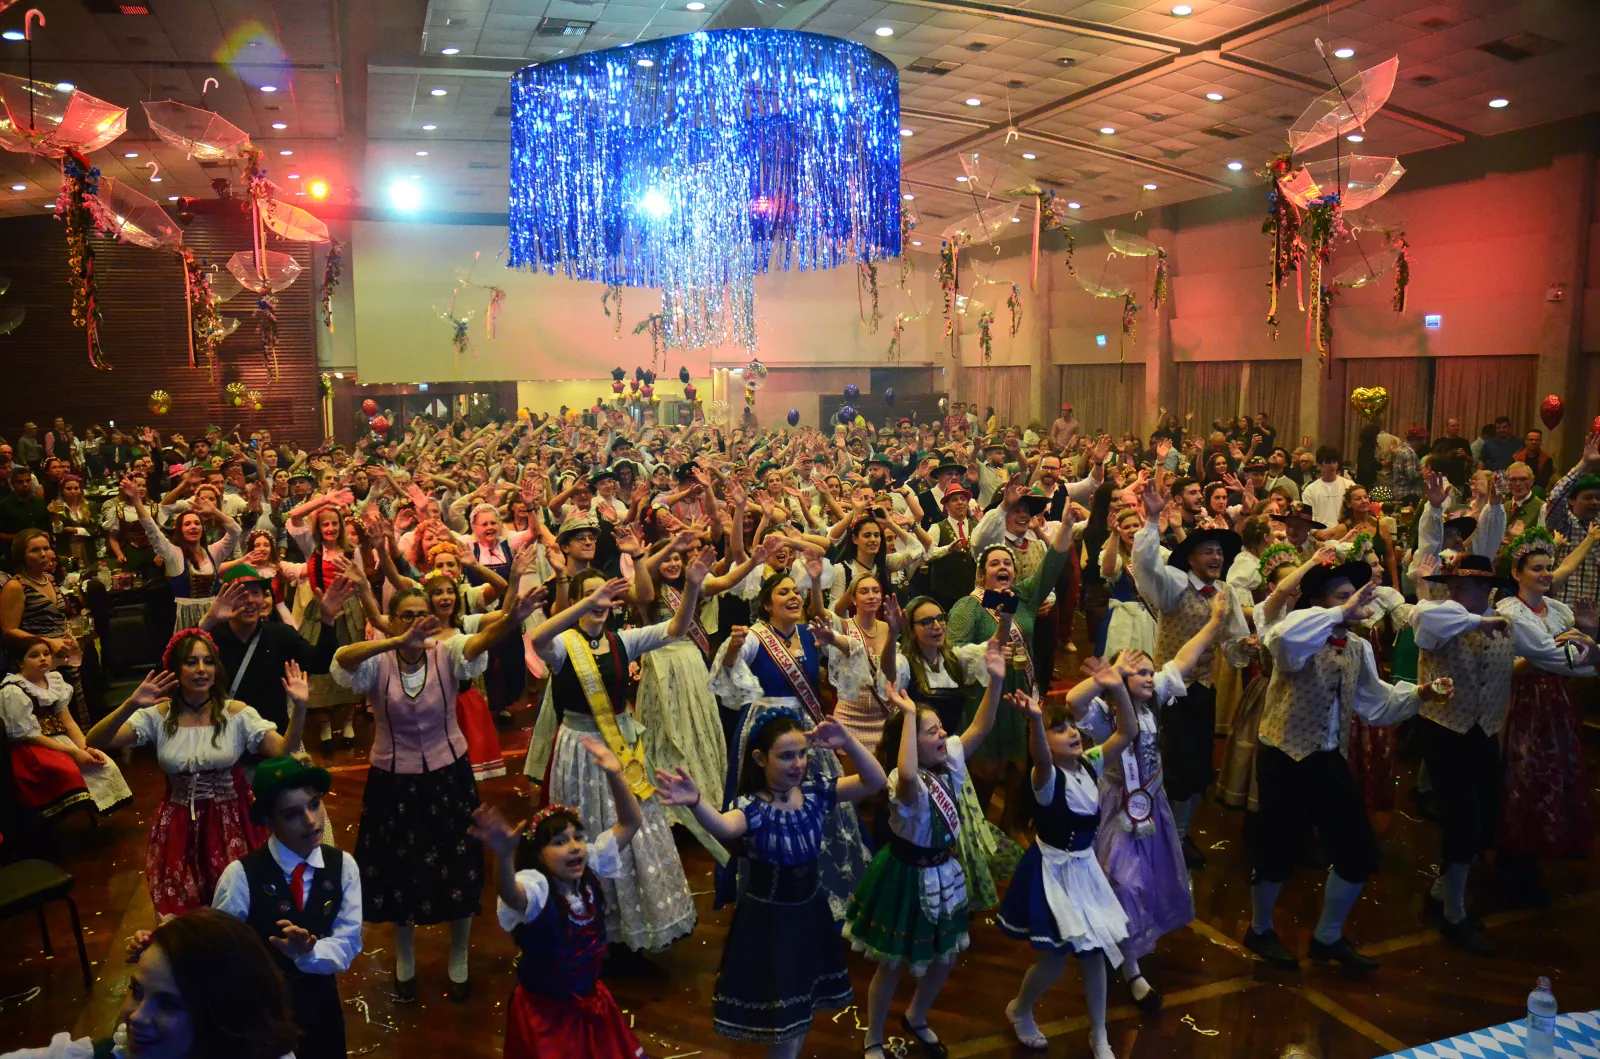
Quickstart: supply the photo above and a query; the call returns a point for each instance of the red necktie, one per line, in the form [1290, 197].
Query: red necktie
[296, 879]
[1337, 641]
[1208, 591]
[961, 533]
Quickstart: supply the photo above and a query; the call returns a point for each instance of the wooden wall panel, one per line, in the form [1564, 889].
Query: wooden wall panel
[44, 363]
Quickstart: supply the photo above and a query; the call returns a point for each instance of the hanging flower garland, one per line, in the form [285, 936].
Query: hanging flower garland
[254, 397]
[908, 224]
[867, 272]
[613, 293]
[1014, 303]
[986, 335]
[491, 315]
[1283, 224]
[1159, 291]
[236, 393]
[1130, 325]
[1320, 228]
[1052, 219]
[267, 327]
[947, 285]
[205, 323]
[80, 182]
[160, 402]
[325, 385]
[895, 334]
[1402, 269]
[332, 267]
[458, 331]
[656, 325]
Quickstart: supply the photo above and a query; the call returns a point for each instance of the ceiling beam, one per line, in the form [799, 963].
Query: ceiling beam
[1152, 164]
[943, 119]
[1267, 71]
[1082, 27]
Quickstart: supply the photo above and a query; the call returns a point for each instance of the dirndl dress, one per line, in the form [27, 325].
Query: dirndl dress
[472, 717]
[1545, 809]
[1059, 899]
[1236, 783]
[678, 717]
[48, 781]
[783, 959]
[203, 823]
[911, 906]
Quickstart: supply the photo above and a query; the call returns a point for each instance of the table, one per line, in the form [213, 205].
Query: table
[1577, 1037]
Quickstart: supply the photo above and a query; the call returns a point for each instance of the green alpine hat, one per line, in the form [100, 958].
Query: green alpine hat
[244, 572]
[277, 773]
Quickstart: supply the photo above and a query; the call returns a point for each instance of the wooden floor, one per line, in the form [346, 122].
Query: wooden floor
[1220, 1001]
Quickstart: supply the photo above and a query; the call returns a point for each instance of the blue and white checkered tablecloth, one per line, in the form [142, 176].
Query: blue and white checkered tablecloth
[1577, 1037]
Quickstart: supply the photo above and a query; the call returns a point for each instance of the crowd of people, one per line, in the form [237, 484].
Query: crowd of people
[850, 664]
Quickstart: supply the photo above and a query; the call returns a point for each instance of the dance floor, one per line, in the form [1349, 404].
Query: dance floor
[1220, 1001]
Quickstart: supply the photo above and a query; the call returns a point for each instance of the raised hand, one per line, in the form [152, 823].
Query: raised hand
[1358, 607]
[494, 831]
[829, 735]
[1028, 704]
[995, 658]
[1438, 488]
[529, 600]
[824, 633]
[893, 616]
[736, 638]
[417, 636]
[696, 574]
[601, 754]
[901, 701]
[295, 684]
[603, 598]
[139, 942]
[157, 686]
[676, 788]
[341, 497]
[813, 564]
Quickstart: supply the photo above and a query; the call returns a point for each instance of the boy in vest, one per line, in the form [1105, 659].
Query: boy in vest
[950, 563]
[1321, 677]
[302, 897]
[1462, 638]
[1180, 592]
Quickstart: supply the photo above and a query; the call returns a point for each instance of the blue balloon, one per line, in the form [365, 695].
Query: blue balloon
[794, 417]
[847, 414]
[888, 397]
[851, 392]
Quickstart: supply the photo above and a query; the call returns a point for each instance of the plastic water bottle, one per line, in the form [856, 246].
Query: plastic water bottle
[1541, 1021]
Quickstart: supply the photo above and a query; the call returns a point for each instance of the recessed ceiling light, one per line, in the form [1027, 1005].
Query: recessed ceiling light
[1499, 103]
[286, 152]
[1016, 220]
[884, 31]
[19, 187]
[449, 51]
[1235, 166]
[1029, 155]
[14, 34]
[1355, 137]
[438, 92]
[269, 88]
[1182, 10]
[646, 63]
[131, 154]
[1107, 130]
[49, 205]
[974, 101]
[1344, 53]
[695, 5]
[280, 126]
[908, 196]
[292, 176]
[1074, 205]
[172, 198]
[961, 180]
[65, 86]
[422, 154]
[1215, 97]
[907, 132]
[416, 176]
[916, 242]
[429, 128]
[1150, 187]
[155, 180]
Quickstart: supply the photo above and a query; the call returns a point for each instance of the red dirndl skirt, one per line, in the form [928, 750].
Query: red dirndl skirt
[1372, 763]
[483, 742]
[190, 845]
[47, 781]
[1545, 809]
[540, 1027]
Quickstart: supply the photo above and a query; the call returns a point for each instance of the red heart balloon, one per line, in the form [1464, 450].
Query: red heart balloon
[369, 407]
[1550, 410]
[1594, 428]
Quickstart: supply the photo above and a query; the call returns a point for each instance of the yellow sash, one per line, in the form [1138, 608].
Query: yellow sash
[583, 664]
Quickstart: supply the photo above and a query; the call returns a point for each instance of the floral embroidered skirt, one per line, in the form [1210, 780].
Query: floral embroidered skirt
[1545, 808]
[192, 842]
[418, 864]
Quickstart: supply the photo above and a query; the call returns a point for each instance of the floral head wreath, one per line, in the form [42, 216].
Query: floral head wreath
[441, 548]
[1533, 539]
[1277, 555]
[548, 811]
[180, 636]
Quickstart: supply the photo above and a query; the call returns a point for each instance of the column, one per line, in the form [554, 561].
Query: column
[1560, 346]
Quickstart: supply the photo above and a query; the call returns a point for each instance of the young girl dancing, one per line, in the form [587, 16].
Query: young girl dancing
[1059, 900]
[911, 906]
[783, 960]
[552, 906]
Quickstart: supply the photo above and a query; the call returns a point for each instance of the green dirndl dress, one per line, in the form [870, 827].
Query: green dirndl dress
[911, 905]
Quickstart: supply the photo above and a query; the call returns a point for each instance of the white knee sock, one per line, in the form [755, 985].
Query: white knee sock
[405, 956]
[1453, 891]
[786, 1050]
[1130, 974]
[880, 994]
[1338, 898]
[927, 992]
[1093, 969]
[1038, 979]
[1263, 896]
[460, 935]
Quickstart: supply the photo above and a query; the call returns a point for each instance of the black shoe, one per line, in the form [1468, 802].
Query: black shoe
[1150, 1003]
[1342, 953]
[1269, 947]
[1192, 857]
[933, 1049]
[405, 989]
[460, 991]
[1468, 936]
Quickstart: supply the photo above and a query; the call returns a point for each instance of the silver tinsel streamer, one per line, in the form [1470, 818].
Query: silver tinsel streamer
[692, 164]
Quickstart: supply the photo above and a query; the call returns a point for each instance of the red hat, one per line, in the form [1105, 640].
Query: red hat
[955, 491]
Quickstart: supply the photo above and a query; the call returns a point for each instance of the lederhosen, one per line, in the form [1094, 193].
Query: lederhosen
[317, 1010]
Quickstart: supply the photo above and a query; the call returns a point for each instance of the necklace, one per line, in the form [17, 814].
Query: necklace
[40, 581]
[788, 637]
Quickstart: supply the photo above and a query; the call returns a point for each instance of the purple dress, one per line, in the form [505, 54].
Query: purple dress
[1143, 859]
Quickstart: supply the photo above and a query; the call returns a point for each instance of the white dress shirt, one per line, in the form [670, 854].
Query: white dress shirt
[604, 857]
[329, 955]
[1163, 586]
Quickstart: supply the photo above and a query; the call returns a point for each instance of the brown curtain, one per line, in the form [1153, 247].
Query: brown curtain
[1005, 388]
[1105, 397]
[1477, 390]
[1409, 381]
[1209, 389]
[1274, 388]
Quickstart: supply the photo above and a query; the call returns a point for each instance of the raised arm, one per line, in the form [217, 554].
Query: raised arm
[113, 732]
[994, 664]
[490, 634]
[678, 788]
[907, 780]
[1189, 655]
[597, 602]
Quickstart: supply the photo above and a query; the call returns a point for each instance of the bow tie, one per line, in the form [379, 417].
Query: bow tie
[1337, 641]
[1208, 591]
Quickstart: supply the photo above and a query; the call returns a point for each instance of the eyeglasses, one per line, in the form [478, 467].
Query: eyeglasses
[932, 620]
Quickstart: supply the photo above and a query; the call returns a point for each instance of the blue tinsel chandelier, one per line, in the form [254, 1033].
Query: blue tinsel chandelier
[695, 163]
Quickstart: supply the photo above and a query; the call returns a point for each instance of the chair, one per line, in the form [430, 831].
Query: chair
[29, 885]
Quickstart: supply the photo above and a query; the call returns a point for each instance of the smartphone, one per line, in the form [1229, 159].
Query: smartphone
[1004, 602]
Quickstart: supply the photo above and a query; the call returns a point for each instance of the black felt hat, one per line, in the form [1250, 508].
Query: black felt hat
[1230, 541]
[1316, 580]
